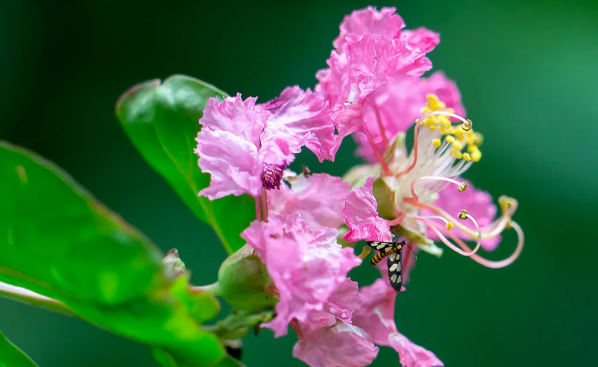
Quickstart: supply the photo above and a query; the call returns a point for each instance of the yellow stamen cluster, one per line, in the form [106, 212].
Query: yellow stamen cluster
[460, 136]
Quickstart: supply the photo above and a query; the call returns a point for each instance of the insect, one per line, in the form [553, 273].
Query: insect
[393, 251]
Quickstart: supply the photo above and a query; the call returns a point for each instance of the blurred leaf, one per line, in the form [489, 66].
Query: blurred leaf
[166, 360]
[162, 121]
[11, 356]
[60, 242]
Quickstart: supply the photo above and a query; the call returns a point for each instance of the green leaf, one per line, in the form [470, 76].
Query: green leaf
[60, 242]
[11, 356]
[162, 121]
[166, 360]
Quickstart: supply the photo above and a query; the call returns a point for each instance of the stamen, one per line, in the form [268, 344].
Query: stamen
[397, 220]
[503, 263]
[461, 185]
[449, 225]
[463, 214]
[295, 325]
[508, 207]
[467, 125]
[418, 123]
[272, 176]
[376, 151]
[365, 251]
[436, 229]
[382, 130]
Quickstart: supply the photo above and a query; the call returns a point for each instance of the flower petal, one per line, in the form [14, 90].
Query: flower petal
[298, 118]
[478, 204]
[412, 355]
[375, 314]
[319, 199]
[396, 105]
[361, 215]
[305, 266]
[235, 116]
[340, 306]
[232, 162]
[342, 345]
[369, 21]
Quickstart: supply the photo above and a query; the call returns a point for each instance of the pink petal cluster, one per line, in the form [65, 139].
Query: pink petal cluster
[306, 266]
[375, 316]
[319, 198]
[361, 216]
[245, 146]
[371, 50]
[478, 204]
[394, 107]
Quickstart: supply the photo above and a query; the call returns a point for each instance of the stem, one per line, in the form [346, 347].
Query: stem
[31, 298]
[213, 289]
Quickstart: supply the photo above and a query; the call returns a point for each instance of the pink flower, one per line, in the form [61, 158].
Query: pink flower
[305, 266]
[246, 147]
[361, 216]
[375, 54]
[339, 306]
[375, 316]
[479, 205]
[394, 107]
[369, 21]
[342, 345]
[319, 198]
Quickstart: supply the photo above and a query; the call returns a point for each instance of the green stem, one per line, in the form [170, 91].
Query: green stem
[213, 289]
[31, 298]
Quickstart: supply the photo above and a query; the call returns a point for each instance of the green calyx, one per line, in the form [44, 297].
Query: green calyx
[243, 281]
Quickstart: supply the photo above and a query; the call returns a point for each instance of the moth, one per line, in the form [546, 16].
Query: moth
[392, 250]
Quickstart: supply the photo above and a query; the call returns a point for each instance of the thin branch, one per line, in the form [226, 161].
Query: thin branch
[32, 298]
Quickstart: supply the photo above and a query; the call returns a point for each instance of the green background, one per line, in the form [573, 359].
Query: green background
[527, 73]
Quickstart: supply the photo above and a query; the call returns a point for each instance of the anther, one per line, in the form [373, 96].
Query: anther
[463, 214]
[467, 125]
[449, 225]
[436, 143]
[462, 186]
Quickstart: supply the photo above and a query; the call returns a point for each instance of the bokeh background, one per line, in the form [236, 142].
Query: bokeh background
[528, 74]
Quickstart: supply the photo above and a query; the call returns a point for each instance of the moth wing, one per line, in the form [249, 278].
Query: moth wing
[395, 262]
[380, 246]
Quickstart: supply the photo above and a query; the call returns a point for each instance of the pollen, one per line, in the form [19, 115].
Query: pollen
[463, 214]
[449, 225]
[467, 156]
[450, 139]
[436, 143]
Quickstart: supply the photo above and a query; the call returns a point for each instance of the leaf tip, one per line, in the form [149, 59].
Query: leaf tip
[133, 90]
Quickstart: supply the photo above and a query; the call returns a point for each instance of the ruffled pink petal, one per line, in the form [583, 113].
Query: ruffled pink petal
[232, 162]
[370, 21]
[235, 116]
[412, 355]
[298, 118]
[375, 314]
[421, 39]
[342, 345]
[478, 204]
[361, 216]
[340, 306]
[305, 266]
[228, 145]
[319, 199]
[397, 104]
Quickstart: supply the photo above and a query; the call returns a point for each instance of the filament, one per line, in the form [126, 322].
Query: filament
[462, 185]
[382, 130]
[264, 199]
[416, 134]
[502, 263]
[397, 220]
[365, 251]
[375, 148]
[442, 238]
[258, 208]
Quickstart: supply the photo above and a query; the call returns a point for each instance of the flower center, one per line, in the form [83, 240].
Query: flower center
[272, 176]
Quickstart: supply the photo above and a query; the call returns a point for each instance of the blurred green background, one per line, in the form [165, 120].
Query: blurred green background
[527, 73]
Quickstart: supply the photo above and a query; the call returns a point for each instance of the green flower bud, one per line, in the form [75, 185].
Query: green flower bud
[243, 281]
[173, 264]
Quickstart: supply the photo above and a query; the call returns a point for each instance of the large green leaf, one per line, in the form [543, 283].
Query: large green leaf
[162, 121]
[166, 360]
[11, 356]
[60, 242]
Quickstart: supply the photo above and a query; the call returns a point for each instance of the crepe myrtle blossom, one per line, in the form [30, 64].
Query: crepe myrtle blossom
[371, 50]
[417, 193]
[245, 147]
